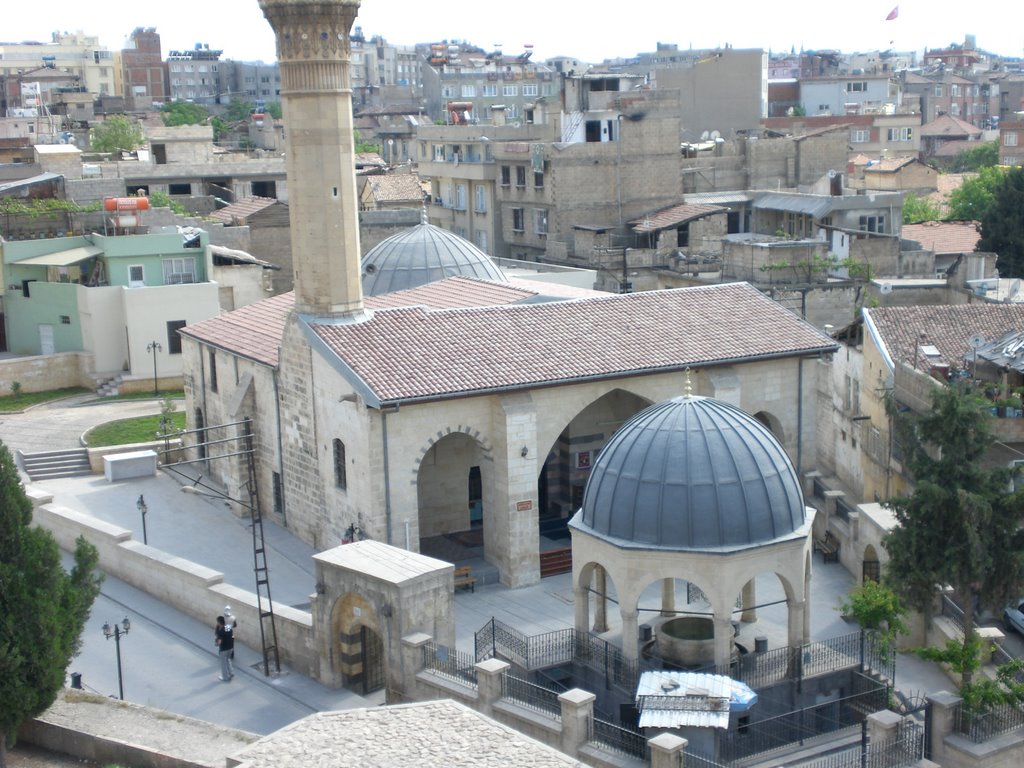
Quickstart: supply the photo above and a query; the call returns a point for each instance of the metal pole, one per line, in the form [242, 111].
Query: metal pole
[117, 646]
[144, 510]
[156, 391]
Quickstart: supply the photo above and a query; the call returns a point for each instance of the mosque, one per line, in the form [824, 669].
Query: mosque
[418, 392]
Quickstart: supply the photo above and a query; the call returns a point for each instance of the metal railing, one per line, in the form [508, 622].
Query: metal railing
[982, 726]
[531, 695]
[953, 612]
[618, 739]
[843, 509]
[450, 663]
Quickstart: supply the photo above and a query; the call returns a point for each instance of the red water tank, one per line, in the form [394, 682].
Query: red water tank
[126, 204]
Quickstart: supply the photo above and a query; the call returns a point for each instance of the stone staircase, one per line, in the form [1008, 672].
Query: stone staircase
[46, 465]
[110, 387]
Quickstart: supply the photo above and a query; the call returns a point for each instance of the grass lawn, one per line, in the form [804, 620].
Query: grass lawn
[141, 430]
[22, 400]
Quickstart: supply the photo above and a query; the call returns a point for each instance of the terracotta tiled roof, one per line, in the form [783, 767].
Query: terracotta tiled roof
[455, 292]
[947, 328]
[253, 332]
[397, 187]
[889, 164]
[954, 147]
[412, 353]
[948, 125]
[237, 212]
[674, 216]
[944, 237]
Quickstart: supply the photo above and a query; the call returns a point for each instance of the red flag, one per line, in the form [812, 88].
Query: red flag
[893, 13]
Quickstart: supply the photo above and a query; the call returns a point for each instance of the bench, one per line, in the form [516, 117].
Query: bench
[829, 547]
[464, 578]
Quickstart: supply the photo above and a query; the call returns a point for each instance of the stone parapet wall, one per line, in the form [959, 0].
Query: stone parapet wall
[40, 373]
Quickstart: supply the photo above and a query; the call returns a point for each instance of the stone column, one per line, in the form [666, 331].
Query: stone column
[797, 634]
[944, 706]
[630, 639]
[488, 683]
[581, 607]
[668, 597]
[667, 751]
[723, 638]
[749, 599]
[577, 714]
[882, 726]
[412, 663]
[600, 600]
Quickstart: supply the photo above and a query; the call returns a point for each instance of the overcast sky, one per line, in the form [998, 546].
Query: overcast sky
[586, 30]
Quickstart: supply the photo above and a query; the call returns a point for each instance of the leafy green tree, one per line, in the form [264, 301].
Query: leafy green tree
[917, 209]
[1002, 225]
[364, 146]
[879, 612]
[42, 607]
[274, 109]
[960, 525]
[975, 196]
[238, 109]
[983, 155]
[184, 113]
[115, 134]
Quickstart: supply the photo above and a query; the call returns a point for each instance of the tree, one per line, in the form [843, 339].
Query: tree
[274, 109]
[974, 159]
[917, 209]
[184, 113]
[879, 612]
[42, 607]
[975, 196]
[1002, 225]
[960, 525]
[115, 134]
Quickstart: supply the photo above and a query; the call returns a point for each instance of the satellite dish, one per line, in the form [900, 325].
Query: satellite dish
[885, 289]
[1014, 290]
[715, 135]
[831, 173]
[976, 341]
[704, 136]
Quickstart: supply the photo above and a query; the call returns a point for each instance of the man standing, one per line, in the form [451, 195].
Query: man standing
[224, 637]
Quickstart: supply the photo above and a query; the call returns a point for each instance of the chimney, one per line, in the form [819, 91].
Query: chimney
[316, 98]
[498, 114]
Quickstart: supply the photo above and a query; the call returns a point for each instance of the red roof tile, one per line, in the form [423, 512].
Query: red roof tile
[236, 213]
[944, 237]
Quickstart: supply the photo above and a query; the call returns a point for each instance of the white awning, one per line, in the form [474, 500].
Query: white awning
[62, 258]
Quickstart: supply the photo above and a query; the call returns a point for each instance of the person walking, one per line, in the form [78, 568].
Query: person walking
[224, 637]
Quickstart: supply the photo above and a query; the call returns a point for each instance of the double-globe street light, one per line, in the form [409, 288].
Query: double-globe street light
[154, 347]
[116, 632]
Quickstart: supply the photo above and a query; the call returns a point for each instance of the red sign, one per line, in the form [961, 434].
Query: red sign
[524, 506]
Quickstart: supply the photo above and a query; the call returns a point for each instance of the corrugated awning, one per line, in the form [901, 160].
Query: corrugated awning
[62, 258]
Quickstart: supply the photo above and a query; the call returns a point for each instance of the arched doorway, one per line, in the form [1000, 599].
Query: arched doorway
[357, 652]
[773, 424]
[871, 568]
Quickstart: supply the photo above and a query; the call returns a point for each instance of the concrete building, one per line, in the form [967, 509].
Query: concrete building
[69, 59]
[849, 94]
[383, 74]
[194, 75]
[479, 416]
[143, 71]
[1011, 142]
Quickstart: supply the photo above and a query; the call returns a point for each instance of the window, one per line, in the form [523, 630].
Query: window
[136, 276]
[938, 91]
[506, 176]
[517, 220]
[899, 134]
[460, 197]
[179, 271]
[860, 135]
[490, 90]
[857, 87]
[480, 194]
[872, 223]
[65, 319]
[173, 339]
[278, 494]
[508, 90]
[538, 180]
[340, 476]
[520, 176]
[448, 91]
[439, 153]
[212, 356]
[1010, 139]
[481, 240]
[540, 221]
[468, 91]
[529, 90]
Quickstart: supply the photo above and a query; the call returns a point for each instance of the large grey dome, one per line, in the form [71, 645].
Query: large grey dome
[692, 473]
[420, 255]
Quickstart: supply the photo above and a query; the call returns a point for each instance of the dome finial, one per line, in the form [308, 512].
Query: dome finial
[688, 385]
[423, 214]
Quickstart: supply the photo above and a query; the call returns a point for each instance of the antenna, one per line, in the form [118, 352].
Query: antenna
[885, 289]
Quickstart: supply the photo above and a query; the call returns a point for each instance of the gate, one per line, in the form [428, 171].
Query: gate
[372, 657]
[871, 570]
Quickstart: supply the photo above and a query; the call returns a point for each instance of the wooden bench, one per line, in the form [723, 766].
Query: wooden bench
[829, 547]
[464, 578]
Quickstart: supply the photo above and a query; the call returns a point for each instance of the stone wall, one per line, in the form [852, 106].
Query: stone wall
[40, 373]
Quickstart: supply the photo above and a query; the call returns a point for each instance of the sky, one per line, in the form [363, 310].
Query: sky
[588, 31]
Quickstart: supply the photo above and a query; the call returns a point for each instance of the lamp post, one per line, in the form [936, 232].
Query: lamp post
[116, 632]
[154, 347]
[141, 506]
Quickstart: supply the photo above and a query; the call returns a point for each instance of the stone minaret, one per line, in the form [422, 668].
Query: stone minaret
[313, 50]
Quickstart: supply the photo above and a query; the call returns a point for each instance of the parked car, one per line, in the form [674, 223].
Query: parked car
[1013, 616]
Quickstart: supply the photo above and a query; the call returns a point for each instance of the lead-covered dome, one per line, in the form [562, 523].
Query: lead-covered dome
[692, 473]
[420, 255]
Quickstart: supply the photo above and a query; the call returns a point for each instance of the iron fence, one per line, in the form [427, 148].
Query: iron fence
[953, 612]
[979, 727]
[843, 509]
[450, 663]
[531, 695]
[618, 739]
[551, 649]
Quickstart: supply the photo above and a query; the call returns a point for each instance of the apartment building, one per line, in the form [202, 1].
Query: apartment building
[194, 75]
[37, 71]
[143, 71]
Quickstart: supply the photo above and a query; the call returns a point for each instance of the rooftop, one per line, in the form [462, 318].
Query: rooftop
[944, 237]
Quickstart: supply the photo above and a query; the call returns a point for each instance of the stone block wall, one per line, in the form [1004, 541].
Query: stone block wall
[40, 373]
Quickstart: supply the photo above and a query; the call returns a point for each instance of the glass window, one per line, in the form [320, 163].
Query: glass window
[480, 203]
[508, 90]
[340, 474]
[506, 176]
[520, 175]
[540, 221]
[173, 338]
[179, 271]
[517, 220]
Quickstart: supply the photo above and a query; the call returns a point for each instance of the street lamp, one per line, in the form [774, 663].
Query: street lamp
[154, 347]
[116, 632]
[141, 506]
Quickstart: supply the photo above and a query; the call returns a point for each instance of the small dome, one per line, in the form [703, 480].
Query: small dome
[692, 473]
[420, 255]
